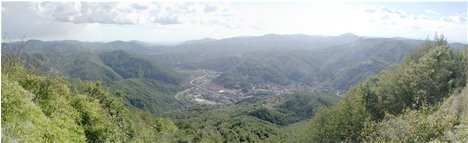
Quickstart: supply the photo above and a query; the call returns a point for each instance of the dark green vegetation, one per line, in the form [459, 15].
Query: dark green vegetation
[335, 62]
[142, 72]
[254, 119]
[421, 99]
[331, 62]
[146, 84]
[39, 108]
[70, 91]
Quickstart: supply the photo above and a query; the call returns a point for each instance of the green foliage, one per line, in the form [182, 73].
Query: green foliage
[414, 83]
[304, 105]
[292, 108]
[147, 85]
[462, 68]
[250, 73]
[425, 78]
[401, 104]
[244, 129]
[43, 104]
[331, 61]
[149, 95]
[256, 119]
[96, 125]
[456, 106]
[24, 121]
[271, 116]
[38, 108]
[130, 66]
[446, 123]
[340, 122]
[104, 118]
[412, 126]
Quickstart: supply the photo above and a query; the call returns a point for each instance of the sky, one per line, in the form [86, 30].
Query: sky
[164, 22]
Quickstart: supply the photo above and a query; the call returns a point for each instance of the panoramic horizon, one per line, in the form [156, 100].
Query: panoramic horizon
[234, 72]
[166, 23]
[428, 37]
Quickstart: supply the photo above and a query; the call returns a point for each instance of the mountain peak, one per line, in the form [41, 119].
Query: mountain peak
[204, 40]
[348, 35]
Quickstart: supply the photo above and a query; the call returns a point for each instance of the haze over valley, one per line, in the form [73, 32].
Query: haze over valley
[227, 70]
[234, 72]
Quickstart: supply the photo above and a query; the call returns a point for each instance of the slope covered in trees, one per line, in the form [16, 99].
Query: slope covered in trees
[333, 61]
[423, 98]
[147, 85]
[244, 63]
[256, 119]
[38, 108]
[404, 103]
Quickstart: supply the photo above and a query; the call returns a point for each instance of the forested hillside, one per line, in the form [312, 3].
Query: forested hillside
[421, 99]
[244, 62]
[336, 62]
[147, 77]
[256, 119]
[284, 59]
[230, 72]
[147, 85]
[37, 108]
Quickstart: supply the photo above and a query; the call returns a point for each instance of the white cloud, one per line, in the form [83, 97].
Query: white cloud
[396, 22]
[370, 10]
[393, 11]
[428, 11]
[423, 17]
[385, 17]
[455, 18]
[71, 20]
[385, 14]
[133, 13]
[184, 21]
[19, 19]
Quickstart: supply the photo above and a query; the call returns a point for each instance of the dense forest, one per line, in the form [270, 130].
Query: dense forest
[423, 98]
[149, 75]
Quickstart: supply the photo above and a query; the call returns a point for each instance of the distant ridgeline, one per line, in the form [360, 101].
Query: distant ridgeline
[145, 73]
[71, 91]
[337, 62]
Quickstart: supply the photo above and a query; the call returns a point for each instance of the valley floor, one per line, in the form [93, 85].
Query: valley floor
[203, 90]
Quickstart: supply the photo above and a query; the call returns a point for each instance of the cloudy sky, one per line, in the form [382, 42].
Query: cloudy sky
[174, 22]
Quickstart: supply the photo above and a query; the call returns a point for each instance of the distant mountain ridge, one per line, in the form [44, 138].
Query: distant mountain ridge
[291, 58]
[288, 58]
[337, 62]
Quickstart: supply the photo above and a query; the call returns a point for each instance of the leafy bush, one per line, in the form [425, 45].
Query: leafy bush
[340, 122]
[375, 109]
[38, 108]
[412, 126]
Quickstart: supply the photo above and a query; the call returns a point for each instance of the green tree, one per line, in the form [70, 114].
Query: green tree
[426, 77]
[340, 122]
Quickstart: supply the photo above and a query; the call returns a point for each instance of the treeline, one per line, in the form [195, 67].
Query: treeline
[404, 103]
